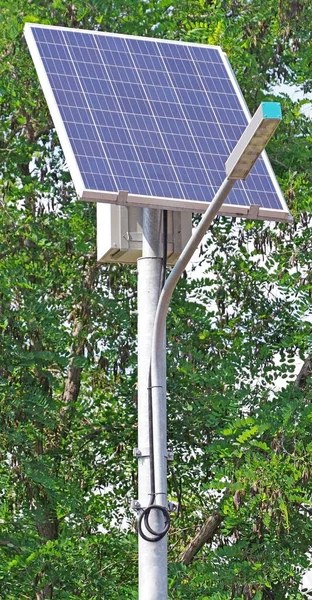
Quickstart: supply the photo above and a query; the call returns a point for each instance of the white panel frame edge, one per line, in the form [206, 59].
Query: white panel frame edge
[264, 155]
[54, 111]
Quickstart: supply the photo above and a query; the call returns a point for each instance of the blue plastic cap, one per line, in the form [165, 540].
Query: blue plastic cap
[271, 110]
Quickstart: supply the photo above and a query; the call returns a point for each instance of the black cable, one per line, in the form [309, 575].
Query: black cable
[145, 516]
[165, 248]
[145, 512]
[151, 438]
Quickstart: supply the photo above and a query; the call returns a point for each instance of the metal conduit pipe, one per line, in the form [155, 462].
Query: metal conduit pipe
[158, 339]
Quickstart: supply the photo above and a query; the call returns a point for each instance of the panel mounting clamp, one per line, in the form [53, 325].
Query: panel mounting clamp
[253, 211]
[122, 197]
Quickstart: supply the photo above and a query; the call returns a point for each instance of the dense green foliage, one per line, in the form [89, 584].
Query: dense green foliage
[243, 445]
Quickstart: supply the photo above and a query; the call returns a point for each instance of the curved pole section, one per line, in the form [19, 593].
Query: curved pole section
[159, 329]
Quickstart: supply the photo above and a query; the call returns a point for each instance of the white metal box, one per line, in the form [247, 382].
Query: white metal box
[119, 233]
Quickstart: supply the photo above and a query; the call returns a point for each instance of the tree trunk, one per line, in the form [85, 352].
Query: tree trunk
[47, 528]
[46, 592]
[47, 523]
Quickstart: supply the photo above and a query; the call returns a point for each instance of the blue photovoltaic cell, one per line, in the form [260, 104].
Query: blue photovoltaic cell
[155, 118]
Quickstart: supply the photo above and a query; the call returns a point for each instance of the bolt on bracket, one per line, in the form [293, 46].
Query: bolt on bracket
[135, 504]
[141, 452]
[173, 507]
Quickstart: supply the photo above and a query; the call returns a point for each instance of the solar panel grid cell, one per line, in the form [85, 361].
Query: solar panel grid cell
[158, 119]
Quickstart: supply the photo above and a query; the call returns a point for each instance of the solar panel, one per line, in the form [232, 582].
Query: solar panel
[148, 122]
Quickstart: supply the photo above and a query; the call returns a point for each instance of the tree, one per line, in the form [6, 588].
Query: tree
[68, 415]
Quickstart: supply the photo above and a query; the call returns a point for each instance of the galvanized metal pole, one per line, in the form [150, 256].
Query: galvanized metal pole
[152, 311]
[152, 555]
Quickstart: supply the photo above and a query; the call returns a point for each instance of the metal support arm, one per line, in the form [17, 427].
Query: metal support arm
[160, 327]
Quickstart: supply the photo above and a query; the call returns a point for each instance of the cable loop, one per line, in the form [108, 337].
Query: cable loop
[144, 516]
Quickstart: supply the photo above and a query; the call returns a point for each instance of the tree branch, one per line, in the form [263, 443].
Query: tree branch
[80, 332]
[10, 545]
[304, 373]
[204, 535]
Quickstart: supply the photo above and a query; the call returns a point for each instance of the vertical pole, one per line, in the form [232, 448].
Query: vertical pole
[152, 555]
